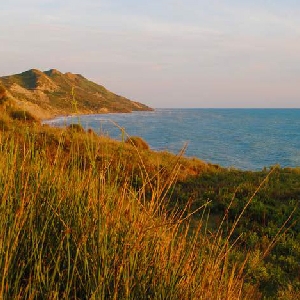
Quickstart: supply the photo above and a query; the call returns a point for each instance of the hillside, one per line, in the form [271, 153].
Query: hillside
[143, 223]
[51, 93]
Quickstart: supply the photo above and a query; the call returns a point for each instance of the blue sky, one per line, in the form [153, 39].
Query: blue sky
[166, 53]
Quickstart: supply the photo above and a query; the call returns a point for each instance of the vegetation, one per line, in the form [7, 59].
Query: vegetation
[3, 94]
[23, 115]
[86, 217]
[76, 127]
[74, 225]
[269, 227]
[137, 142]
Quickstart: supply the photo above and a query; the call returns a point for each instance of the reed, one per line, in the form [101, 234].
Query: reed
[74, 226]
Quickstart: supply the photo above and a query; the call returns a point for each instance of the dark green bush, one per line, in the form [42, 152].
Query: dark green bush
[92, 132]
[3, 94]
[4, 121]
[76, 127]
[138, 142]
[23, 115]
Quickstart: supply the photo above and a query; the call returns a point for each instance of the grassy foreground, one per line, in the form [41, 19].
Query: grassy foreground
[78, 221]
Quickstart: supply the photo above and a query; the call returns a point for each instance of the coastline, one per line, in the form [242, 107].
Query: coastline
[248, 140]
[55, 116]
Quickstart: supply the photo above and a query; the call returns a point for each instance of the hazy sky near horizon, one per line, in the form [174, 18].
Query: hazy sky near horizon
[164, 53]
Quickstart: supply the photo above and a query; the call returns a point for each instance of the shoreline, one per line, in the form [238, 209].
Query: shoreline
[92, 113]
[212, 136]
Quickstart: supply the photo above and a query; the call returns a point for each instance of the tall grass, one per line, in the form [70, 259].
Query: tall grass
[73, 226]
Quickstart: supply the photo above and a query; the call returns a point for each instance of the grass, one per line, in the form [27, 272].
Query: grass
[75, 225]
[86, 217]
[273, 209]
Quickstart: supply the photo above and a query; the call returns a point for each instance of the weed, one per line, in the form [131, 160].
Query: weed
[73, 227]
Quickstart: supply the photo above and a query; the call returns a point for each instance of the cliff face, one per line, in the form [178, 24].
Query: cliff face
[51, 93]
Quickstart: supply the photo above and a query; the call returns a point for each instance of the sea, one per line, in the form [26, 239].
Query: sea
[246, 139]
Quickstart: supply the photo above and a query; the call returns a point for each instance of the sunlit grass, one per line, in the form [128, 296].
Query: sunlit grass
[74, 225]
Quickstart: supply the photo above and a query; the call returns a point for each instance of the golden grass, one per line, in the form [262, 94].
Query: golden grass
[74, 225]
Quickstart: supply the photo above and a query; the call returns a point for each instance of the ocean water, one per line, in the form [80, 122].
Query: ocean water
[248, 139]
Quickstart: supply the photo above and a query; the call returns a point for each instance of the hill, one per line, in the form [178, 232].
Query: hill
[51, 93]
[144, 224]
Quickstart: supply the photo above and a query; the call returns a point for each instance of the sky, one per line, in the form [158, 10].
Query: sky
[164, 53]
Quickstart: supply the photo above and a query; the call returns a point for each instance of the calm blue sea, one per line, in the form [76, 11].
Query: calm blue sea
[248, 139]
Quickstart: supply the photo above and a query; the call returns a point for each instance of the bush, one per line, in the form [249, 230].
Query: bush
[5, 120]
[138, 142]
[3, 94]
[92, 132]
[23, 115]
[76, 128]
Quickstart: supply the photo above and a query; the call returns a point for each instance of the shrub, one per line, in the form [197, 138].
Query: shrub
[76, 127]
[5, 120]
[3, 94]
[92, 132]
[138, 142]
[23, 115]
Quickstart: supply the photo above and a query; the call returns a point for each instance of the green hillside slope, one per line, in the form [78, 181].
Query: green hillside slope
[51, 93]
